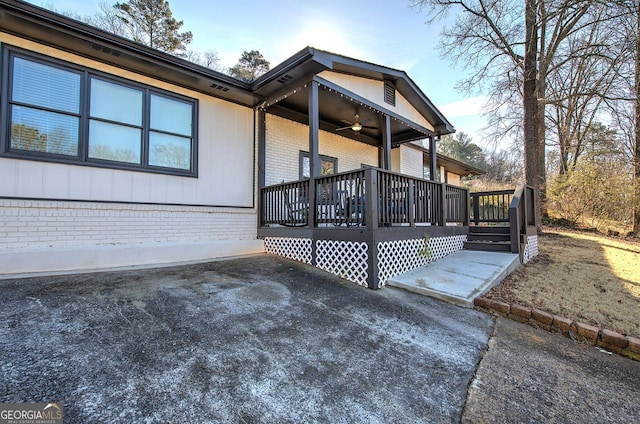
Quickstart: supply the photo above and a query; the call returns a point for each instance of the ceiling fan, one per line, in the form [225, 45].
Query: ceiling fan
[356, 126]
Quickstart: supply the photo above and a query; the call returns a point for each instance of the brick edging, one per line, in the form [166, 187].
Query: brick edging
[610, 340]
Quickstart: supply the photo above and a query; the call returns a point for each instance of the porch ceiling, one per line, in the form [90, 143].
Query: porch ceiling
[337, 109]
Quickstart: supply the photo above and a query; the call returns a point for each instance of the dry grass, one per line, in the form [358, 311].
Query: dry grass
[582, 276]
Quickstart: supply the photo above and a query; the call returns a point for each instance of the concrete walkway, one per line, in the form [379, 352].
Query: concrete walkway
[460, 277]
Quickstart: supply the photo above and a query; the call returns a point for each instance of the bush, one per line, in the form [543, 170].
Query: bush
[593, 191]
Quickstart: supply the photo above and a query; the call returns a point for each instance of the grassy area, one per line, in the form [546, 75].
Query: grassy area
[583, 276]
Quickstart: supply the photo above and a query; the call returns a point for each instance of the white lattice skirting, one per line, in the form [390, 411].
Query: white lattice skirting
[347, 259]
[298, 249]
[531, 249]
[397, 257]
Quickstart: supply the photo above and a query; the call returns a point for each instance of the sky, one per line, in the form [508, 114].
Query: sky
[386, 32]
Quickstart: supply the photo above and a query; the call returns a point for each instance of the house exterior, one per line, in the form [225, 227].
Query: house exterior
[113, 154]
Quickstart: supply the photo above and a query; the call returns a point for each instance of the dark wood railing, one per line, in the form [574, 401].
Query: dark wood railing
[513, 209]
[285, 204]
[341, 200]
[522, 217]
[457, 204]
[490, 207]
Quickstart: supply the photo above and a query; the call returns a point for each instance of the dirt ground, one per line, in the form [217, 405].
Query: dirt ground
[583, 276]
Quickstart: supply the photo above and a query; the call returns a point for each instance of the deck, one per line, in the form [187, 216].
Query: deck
[334, 227]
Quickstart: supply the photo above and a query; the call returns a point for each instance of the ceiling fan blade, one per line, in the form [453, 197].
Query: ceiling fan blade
[346, 122]
[343, 128]
[370, 128]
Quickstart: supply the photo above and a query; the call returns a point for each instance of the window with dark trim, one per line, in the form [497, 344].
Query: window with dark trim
[57, 111]
[328, 165]
[389, 93]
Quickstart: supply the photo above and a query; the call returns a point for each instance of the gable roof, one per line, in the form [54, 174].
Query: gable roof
[310, 61]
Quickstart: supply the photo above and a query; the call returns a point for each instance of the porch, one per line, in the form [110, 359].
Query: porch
[412, 223]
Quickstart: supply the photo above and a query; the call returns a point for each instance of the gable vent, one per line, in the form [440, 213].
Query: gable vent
[389, 93]
[219, 87]
[285, 78]
[105, 49]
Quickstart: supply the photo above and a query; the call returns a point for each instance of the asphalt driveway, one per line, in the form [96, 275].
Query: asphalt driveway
[259, 339]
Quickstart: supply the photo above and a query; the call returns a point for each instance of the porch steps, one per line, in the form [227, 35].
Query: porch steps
[489, 239]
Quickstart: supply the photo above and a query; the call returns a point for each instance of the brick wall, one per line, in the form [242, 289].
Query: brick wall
[285, 140]
[43, 223]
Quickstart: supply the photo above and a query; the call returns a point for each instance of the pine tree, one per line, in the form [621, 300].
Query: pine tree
[151, 22]
[250, 66]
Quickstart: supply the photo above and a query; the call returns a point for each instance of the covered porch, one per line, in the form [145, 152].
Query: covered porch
[364, 220]
[338, 186]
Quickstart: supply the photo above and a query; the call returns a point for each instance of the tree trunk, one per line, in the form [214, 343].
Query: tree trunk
[530, 104]
[543, 68]
[636, 164]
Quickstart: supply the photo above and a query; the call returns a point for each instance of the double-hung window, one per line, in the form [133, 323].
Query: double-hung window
[60, 112]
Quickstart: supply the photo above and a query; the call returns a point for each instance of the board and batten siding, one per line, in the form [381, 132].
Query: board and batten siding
[373, 90]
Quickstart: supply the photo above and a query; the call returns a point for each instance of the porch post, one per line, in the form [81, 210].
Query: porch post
[433, 165]
[314, 128]
[262, 160]
[314, 162]
[372, 195]
[386, 143]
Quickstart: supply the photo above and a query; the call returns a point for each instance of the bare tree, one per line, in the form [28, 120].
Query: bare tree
[208, 59]
[494, 40]
[636, 156]
[582, 79]
[107, 19]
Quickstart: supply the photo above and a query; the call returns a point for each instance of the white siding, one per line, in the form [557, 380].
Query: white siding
[225, 157]
[373, 90]
[453, 179]
[285, 140]
[63, 217]
[411, 162]
[408, 161]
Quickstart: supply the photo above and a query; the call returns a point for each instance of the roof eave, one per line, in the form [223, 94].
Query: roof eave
[64, 25]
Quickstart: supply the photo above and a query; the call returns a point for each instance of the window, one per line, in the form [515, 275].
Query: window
[328, 165]
[59, 112]
[44, 108]
[389, 93]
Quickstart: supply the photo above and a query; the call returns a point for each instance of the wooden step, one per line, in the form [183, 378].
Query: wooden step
[488, 246]
[489, 229]
[488, 237]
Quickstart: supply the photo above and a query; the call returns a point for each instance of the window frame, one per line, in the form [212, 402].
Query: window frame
[82, 158]
[323, 158]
